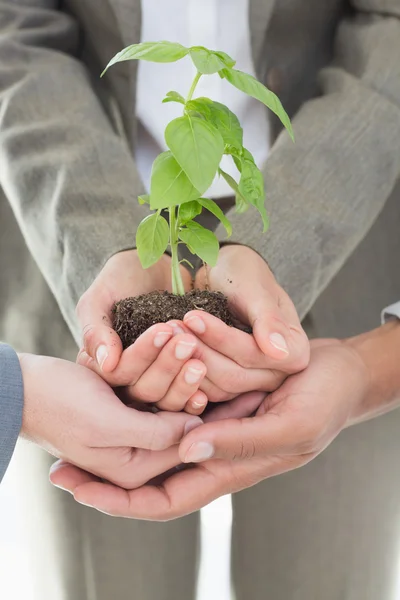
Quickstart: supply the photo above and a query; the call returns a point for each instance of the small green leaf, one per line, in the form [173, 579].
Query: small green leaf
[236, 154]
[201, 106]
[200, 241]
[174, 97]
[248, 155]
[162, 52]
[249, 85]
[217, 212]
[241, 203]
[228, 60]
[144, 199]
[241, 206]
[152, 238]
[198, 148]
[189, 210]
[251, 188]
[169, 185]
[222, 118]
[207, 61]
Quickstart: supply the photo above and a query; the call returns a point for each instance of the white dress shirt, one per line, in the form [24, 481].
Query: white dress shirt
[218, 25]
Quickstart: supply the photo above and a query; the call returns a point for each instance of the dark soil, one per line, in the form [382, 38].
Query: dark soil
[132, 316]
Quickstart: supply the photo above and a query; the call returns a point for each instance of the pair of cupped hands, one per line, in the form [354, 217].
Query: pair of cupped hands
[265, 413]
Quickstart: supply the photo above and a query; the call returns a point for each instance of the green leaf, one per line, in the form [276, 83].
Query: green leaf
[198, 148]
[162, 52]
[222, 118]
[248, 155]
[241, 203]
[228, 60]
[209, 61]
[189, 210]
[169, 185]
[144, 199]
[217, 212]
[152, 238]
[251, 188]
[200, 241]
[249, 85]
[174, 97]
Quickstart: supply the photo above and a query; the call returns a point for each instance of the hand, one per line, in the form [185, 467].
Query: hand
[236, 361]
[155, 367]
[73, 414]
[345, 383]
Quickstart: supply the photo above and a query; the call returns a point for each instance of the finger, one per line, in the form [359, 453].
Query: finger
[242, 406]
[141, 467]
[67, 477]
[99, 340]
[148, 430]
[229, 341]
[197, 403]
[136, 359]
[257, 300]
[225, 378]
[180, 494]
[242, 439]
[154, 384]
[182, 388]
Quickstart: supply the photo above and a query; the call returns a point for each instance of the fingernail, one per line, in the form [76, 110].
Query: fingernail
[53, 469]
[184, 350]
[176, 328]
[279, 342]
[161, 338]
[201, 404]
[192, 424]
[199, 451]
[64, 489]
[101, 355]
[196, 324]
[193, 375]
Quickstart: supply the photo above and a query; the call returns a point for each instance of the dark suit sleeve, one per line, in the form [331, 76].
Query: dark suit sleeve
[11, 404]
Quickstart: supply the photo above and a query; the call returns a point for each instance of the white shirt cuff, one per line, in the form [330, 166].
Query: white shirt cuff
[391, 312]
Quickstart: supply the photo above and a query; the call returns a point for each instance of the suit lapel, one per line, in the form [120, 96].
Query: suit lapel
[260, 12]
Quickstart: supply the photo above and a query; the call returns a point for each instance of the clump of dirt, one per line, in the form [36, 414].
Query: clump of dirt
[133, 316]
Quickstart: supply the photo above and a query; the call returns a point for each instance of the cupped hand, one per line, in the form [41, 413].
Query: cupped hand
[255, 298]
[122, 277]
[73, 414]
[156, 367]
[291, 427]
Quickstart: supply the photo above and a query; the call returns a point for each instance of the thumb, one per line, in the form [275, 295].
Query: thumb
[237, 439]
[99, 340]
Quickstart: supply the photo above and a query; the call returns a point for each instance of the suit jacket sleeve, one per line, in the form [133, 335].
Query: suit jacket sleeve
[11, 404]
[325, 191]
[68, 176]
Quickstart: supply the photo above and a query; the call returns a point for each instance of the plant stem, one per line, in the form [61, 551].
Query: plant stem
[177, 283]
[195, 82]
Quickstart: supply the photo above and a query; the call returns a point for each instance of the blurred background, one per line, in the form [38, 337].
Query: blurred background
[16, 581]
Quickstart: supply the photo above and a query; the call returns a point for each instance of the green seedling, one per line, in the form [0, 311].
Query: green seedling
[197, 142]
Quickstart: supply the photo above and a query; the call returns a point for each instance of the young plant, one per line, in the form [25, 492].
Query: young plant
[197, 142]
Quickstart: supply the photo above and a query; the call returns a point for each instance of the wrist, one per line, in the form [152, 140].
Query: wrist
[379, 351]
